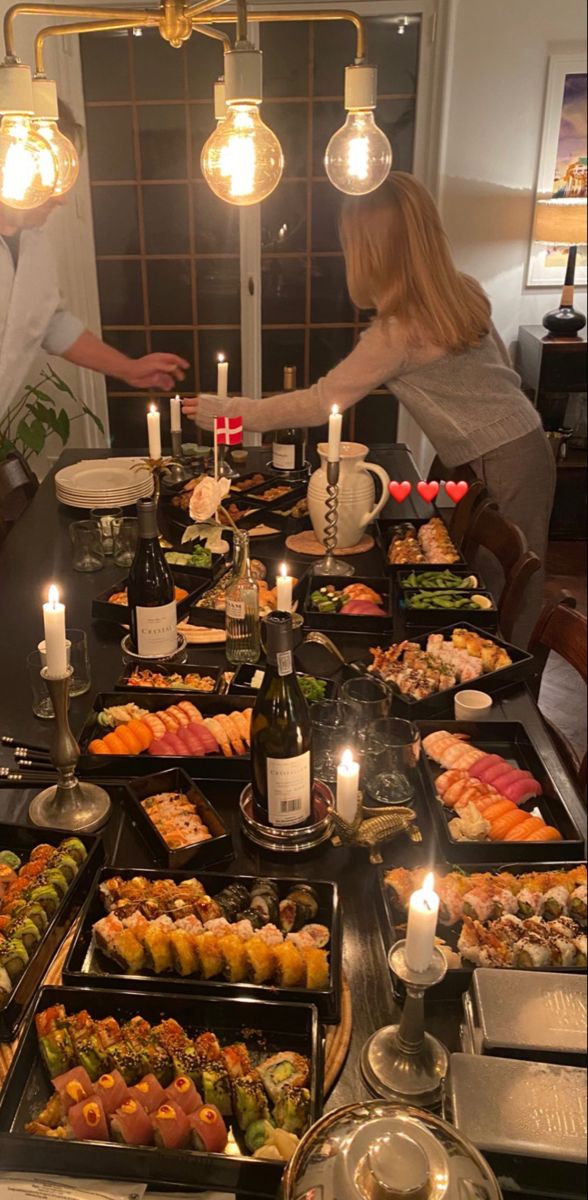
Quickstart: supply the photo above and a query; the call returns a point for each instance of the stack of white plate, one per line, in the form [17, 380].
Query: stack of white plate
[103, 483]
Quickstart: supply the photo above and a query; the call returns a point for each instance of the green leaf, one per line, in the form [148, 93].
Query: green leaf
[6, 448]
[63, 426]
[88, 411]
[209, 533]
[40, 395]
[32, 435]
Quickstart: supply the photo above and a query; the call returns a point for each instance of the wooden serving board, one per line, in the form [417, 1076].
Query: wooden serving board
[308, 543]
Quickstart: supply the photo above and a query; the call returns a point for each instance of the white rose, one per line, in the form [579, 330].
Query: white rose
[207, 496]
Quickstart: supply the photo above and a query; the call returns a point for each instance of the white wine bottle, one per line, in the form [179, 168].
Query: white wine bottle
[242, 607]
[281, 735]
[151, 591]
[289, 445]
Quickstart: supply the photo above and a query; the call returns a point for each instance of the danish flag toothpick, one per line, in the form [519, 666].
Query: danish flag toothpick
[228, 431]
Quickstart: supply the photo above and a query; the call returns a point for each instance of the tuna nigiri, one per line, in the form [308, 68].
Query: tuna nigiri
[479, 768]
[522, 789]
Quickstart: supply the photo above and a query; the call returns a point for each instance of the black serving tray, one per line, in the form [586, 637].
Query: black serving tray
[215, 618]
[338, 622]
[120, 614]
[87, 966]
[511, 740]
[174, 779]
[522, 665]
[125, 766]
[384, 533]
[214, 672]
[403, 572]
[296, 492]
[281, 1027]
[22, 839]
[241, 683]
[415, 618]
[269, 477]
[457, 979]
[218, 564]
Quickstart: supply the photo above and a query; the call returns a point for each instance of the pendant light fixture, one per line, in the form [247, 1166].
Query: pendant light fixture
[28, 169]
[61, 150]
[359, 156]
[242, 161]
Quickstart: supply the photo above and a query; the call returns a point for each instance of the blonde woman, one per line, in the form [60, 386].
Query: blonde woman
[432, 343]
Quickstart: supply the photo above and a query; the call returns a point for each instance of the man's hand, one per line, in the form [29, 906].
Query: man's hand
[160, 371]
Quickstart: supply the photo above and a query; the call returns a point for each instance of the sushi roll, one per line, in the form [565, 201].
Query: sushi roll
[208, 1131]
[67, 865]
[234, 958]
[36, 913]
[261, 960]
[250, 1101]
[188, 1061]
[13, 958]
[171, 1127]
[157, 946]
[183, 1092]
[290, 969]
[581, 945]
[216, 1087]
[577, 904]
[127, 951]
[237, 1060]
[316, 964]
[259, 1134]
[149, 1093]
[5, 985]
[75, 848]
[208, 1045]
[126, 1059]
[55, 1042]
[292, 1111]
[56, 879]
[208, 948]
[281, 1069]
[184, 953]
[26, 932]
[87, 1121]
[131, 1125]
[530, 902]
[532, 953]
[47, 896]
[73, 1087]
[555, 902]
[112, 1091]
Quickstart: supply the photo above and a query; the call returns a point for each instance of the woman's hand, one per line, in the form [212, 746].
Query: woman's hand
[161, 371]
[190, 407]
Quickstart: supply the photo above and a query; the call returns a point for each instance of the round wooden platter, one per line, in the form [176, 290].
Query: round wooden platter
[308, 543]
[337, 1040]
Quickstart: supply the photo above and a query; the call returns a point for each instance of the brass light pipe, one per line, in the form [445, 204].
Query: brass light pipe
[78, 27]
[241, 35]
[340, 14]
[211, 32]
[141, 16]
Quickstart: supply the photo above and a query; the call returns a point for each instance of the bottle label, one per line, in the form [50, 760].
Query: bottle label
[283, 457]
[235, 609]
[284, 662]
[157, 630]
[288, 789]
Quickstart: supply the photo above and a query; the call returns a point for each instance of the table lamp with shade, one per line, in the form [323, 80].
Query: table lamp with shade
[562, 222]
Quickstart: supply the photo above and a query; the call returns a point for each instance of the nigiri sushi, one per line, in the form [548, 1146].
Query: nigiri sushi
[131, 1125]
[520, 790]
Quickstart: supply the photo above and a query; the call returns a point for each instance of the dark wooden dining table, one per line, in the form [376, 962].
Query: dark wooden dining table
[38, 552]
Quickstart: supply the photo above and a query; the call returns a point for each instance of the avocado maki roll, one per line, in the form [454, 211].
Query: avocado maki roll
[47, 896]
[57, 1049]
[26, 932]
[187, 1061]
[125, 1058]
[216, 1087]
[258, 1134]
[9, 859]
[5, 985]
[75, 848]
[56, 879]
[157, 1061]
[36, 913]
[285, 1068]
[577, 904]
[14, 958]
[292, 1111]
[66, 864]
[249, 1100]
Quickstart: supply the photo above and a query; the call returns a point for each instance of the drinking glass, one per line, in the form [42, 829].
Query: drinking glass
[390, 762]
[79, 659]
[88, 550]
[42, 702]
[125, 540]
[333, 731]
[108, 520]
[369, 699]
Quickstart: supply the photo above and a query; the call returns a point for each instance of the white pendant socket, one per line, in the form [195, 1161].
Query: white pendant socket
[220, 100]
[45, 99]
[361, 87]
[243, 76]
[16, 89]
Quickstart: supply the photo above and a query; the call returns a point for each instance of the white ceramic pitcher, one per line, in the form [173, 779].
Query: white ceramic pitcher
[357, 507]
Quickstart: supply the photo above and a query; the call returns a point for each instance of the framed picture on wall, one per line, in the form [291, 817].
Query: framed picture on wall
[563, 162]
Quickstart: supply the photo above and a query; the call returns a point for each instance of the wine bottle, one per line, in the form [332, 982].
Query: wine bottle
[281, 738]
[242, 607]
[289, 445]
[151, 591]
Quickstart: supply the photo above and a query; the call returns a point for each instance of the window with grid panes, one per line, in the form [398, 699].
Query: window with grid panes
[167, 249]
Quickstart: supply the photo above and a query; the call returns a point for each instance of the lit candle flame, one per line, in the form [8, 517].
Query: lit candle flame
[335, 409]
[221, 358]
[429, 891]
[53, 596]
[284, 571]
[153, 408]
[347, 760]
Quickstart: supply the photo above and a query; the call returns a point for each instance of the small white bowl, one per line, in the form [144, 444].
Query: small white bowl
[472, 706]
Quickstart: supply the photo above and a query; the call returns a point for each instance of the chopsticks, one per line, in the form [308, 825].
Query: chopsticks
[24, 747]
[8, 776]
[32, 763]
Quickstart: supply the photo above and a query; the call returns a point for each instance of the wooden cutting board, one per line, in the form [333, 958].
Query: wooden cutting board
[308, 543]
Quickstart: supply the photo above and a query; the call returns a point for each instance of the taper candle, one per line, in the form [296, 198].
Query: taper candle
[55, 640]
[347, 787]
[154, 432]
[423, 913]
[222, 377]
[335, 423]
[284, 584]
[175, 414]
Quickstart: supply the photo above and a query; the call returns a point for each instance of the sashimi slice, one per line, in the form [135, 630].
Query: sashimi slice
[492, 773]
[510, 775]
[192, 744]
[487, 760]
[160, 746]
[546, 833]
[210, 743]
[220, 734]
[190, 710]
[522, 790]
[174, 740]
[197, 732]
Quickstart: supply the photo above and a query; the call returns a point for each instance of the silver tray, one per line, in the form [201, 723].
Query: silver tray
[513, 1108]
[290, 841]
[529, 1014]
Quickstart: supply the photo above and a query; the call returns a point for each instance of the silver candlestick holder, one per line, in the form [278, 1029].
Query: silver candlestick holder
[225, 469]
[402, 1062]
[177, 470]
[329, 565]
[68, 804]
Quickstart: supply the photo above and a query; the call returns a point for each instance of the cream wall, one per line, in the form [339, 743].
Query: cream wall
[496, 56]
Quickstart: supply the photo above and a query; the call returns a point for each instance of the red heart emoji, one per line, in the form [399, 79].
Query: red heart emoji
[399, 491]
[457, 491]
[428, 491]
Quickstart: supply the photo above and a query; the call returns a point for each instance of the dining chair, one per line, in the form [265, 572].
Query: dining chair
[562, 629]
[504, 540]
[463, 513]
[18, 485]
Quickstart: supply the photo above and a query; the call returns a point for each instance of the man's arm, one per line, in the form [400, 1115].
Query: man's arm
[161, 371]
